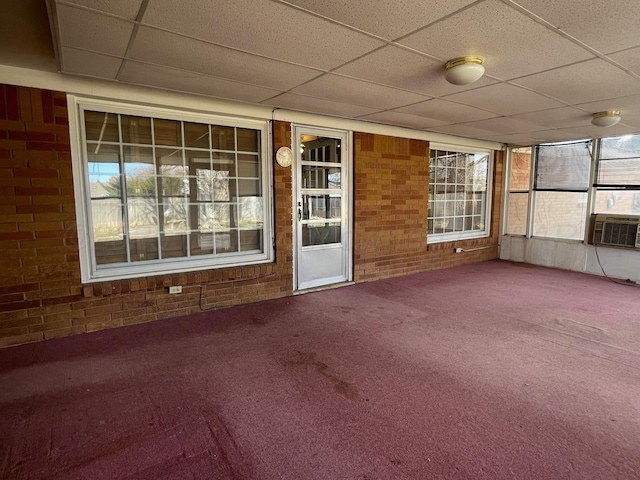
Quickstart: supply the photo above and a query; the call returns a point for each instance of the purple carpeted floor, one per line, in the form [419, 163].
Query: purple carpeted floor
[487, 371]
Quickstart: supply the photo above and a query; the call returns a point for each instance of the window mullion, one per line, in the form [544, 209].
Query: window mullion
[123, 193]
[591, 194]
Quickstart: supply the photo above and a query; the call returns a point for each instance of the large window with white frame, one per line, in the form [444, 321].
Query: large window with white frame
[561, 186]
[617, 180]
[162, 191]
[460, 181]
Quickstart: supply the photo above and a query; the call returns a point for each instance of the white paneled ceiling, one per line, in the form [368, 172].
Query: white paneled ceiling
[549, 64]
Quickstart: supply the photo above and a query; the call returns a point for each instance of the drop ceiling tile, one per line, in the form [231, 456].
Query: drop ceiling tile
[628, 58]
[318, 105]
[402, 120]
[401, 68]
[171, 79]
[557, 117]
[92, 64]
[464, 131]
[583, 82]
[624, 104]
[506, 125]
[590, 131]
[400, 16]
[92, 31]
[123, 8]
[348, 90]
[550, 136]
[605, 26]
[265, 28]
[446, 111]
[492, 29]
[514, 139]
[504, 99]
[163, 48]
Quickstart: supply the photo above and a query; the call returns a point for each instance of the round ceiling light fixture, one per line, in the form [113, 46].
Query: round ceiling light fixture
[464, 70]
[605, 119]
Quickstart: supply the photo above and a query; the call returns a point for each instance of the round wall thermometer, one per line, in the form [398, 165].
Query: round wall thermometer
[284, 156]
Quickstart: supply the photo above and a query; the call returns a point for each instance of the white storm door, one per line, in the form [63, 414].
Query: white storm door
[322, 208]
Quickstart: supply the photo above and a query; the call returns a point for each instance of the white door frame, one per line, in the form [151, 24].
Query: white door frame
[346, 203]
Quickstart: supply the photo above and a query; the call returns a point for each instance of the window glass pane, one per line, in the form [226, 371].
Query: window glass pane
[111, 251]
[564, 166]
[223, 138]
[619, 172]
[175, 216]
[101, 126]
[174, 246]
[624, 202]
[250, 240]
[196, 135]
[224, 188]
[248, 140]
[224, 217]
[201, 243]
[143, 217]
[224, 162]
[136, 129]
[560, 215]
[248, 188]
[520, 169]
[167, 132]
[248, 166]
[139, 169]
[226, 242]
[104, 171]
[250, 213]
[143, 249]
[517, 215]
[627, 146]
[106, 214]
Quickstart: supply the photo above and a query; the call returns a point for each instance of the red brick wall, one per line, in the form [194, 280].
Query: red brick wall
[391, 193]
[41, 295]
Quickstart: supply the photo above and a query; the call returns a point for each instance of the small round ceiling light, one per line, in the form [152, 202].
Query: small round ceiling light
[606, 119]
[464, 70]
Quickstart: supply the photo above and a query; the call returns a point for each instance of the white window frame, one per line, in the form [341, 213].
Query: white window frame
[467, 235]
[88, 267]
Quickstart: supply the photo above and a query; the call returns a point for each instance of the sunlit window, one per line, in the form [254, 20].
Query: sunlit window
[459, 194]
[167, 193]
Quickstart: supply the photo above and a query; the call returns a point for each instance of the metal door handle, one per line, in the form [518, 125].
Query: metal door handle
[299, 214]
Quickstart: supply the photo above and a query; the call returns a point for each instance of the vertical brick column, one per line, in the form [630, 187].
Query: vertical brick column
[38, 238]
[283, 196]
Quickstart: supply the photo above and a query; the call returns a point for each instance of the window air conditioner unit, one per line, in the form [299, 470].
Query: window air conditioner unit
[615, 230]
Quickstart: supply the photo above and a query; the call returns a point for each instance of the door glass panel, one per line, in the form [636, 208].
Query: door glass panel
[320, 234]
[320, 207]
[320, 149]
[316, 176]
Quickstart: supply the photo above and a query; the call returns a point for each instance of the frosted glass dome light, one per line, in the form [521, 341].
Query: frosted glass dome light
[464, 70]
[606, 119]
